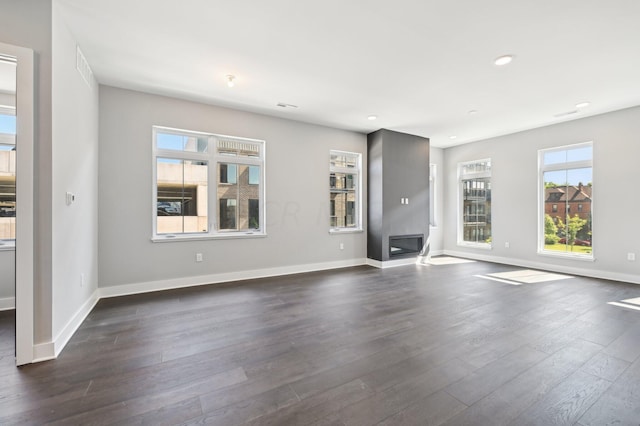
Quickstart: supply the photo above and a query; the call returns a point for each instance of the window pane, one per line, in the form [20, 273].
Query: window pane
[181, 196]
[568, 202]
[8, 124]
[344, 160]
[254, 214]
[239, 198]
[343, 209]
[254, 175]
[227, 214]
[7, 192]
[228, 173]
[479, 167]
[476, 219]
[185, 143]
[238, 147]
[342, 181]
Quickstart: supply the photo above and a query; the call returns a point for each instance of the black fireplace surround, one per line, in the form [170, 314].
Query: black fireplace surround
[400, 245]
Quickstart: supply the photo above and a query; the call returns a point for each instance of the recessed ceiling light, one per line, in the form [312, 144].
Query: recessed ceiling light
[286, 105]
[503, 60]
[372, 117]
[452, 137]
[473, 111]
[231, 80]
[583, 104]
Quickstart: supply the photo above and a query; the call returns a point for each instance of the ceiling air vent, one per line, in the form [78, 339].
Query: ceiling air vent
[83, 68]
[564, 114]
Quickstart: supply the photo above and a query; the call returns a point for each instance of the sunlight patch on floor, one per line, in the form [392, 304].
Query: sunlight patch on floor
[524, 276]
[628, 303]
[446, 260]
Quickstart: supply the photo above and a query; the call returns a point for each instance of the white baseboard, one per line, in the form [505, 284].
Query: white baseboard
[43, 352]
[50, 350]
[149, 286]
[7, 303]
[392, 263]
[74, 323]
[604, 275]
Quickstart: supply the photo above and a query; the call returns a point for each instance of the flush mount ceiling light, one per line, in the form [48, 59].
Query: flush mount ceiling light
[583, 104]
[231, 80]
[503, 60]
[372, 117]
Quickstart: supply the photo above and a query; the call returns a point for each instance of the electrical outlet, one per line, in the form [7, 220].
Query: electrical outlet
[506, 244]
[341, 246]
[631, 257]
[198, 257]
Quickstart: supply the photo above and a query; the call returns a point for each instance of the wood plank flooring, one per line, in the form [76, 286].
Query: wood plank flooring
[414, 345]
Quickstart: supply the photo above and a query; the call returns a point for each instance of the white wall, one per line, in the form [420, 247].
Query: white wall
[75, 169]
[297, 165]
[514, 180]
[436, 233]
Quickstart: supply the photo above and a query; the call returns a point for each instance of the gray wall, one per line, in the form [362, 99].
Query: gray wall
[616, 147]
[75, 169]
[297, 192]
[399, 168]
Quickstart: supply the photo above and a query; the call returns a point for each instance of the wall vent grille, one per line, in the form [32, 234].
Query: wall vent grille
[83, 68]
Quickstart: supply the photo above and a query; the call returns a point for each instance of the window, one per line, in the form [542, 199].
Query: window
[344, 191]
[186, 164]
[475, 195]
[7, 173]
[432, 195]
[566, 187]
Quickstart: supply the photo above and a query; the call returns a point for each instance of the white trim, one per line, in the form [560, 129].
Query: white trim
[44, 352]
[7, 303]
[25, 130]
[149, 286]
[74, 323]
[392, 263]
[603, 275]
[50, 350]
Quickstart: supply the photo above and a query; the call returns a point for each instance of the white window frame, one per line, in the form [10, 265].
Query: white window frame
[213, 158]
[461, 178]
[568, 165]
[353, 171]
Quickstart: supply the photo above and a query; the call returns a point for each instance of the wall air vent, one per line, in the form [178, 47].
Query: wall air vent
[83, 68]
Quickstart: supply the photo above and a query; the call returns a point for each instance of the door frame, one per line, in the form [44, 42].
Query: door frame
[25, 102]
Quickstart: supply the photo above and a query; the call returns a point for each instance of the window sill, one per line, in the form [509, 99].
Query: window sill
[345, 230]
[229, 236]
[563, 255]
[7, 245]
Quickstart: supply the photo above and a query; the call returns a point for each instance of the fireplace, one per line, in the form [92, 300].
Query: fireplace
[400, 245]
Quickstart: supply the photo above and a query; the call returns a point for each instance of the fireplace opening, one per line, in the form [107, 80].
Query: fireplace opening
[405, 244]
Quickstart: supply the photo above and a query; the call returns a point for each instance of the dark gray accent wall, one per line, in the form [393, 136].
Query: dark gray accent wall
[398, 168]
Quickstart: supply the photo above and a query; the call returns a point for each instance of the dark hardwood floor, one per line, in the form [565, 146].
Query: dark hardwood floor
[414, 345]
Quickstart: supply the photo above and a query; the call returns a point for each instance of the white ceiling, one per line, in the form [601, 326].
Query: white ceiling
[419, 65]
